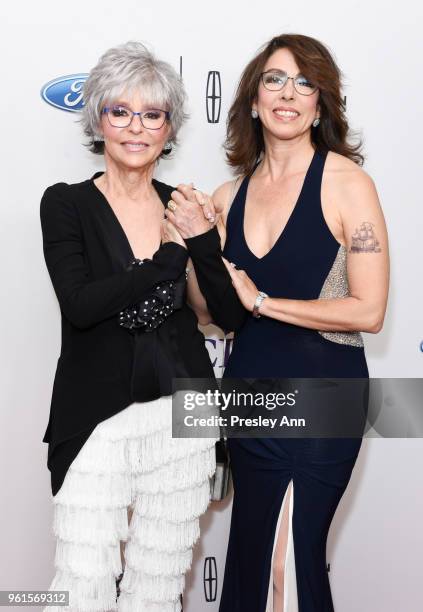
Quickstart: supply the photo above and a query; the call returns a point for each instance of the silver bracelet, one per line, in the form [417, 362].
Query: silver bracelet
[259, 299]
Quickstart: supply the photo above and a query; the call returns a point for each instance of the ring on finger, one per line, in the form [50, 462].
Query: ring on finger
[171, 205]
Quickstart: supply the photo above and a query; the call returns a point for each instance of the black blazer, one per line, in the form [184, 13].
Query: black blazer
[103, 367]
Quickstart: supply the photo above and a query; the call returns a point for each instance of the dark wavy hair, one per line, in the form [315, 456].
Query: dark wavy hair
[244, 142]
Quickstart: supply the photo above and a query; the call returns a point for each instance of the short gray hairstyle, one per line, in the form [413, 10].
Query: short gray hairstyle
[127, 68]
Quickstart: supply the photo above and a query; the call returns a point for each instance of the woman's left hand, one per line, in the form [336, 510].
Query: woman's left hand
[244, 286]
[193, 211]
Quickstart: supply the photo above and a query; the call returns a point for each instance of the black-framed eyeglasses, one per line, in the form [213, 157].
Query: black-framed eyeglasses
[120, 116]
[275, 80]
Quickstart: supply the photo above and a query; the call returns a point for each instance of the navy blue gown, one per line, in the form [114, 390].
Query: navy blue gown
[305, 263]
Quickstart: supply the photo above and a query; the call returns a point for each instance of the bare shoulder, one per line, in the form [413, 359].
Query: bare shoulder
[223, 196]
[343, 172]
[346, 184]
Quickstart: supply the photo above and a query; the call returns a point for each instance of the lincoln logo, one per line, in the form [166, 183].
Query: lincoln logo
[65, 92]
[210, 578]
[213, 96]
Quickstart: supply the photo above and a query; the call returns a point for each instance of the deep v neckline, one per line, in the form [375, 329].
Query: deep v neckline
[289, 220]
[114, 216]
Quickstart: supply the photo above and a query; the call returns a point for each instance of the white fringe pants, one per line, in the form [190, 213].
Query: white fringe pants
[131, 460]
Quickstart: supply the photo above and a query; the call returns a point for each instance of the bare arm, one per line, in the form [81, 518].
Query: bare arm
[355, 197]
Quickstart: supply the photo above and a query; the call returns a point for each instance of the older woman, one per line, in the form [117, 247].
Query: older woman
[307, 241]
[119, 272]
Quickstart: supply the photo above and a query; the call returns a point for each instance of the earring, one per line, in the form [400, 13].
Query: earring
[167, 148]
[316, 122]
[254, 113]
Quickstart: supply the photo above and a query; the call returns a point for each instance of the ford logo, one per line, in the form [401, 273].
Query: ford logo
[65, 92]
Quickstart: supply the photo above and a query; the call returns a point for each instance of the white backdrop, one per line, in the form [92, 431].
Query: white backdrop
[375, 542]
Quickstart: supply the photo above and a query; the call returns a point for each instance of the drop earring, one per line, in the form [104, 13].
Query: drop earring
[167, 148]
[254, 113]
[316, 122]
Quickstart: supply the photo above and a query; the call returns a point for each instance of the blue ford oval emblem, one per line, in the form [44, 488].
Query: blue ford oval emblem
[65, 92]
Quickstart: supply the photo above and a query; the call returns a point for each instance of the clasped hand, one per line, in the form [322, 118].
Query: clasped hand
[190, 211]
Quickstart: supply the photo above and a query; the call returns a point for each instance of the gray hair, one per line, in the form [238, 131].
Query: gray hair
[127, 68]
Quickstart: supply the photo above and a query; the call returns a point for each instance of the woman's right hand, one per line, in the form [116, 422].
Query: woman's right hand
[170, 234]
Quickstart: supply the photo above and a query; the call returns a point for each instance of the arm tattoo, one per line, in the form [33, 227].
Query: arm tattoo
[364, 240]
